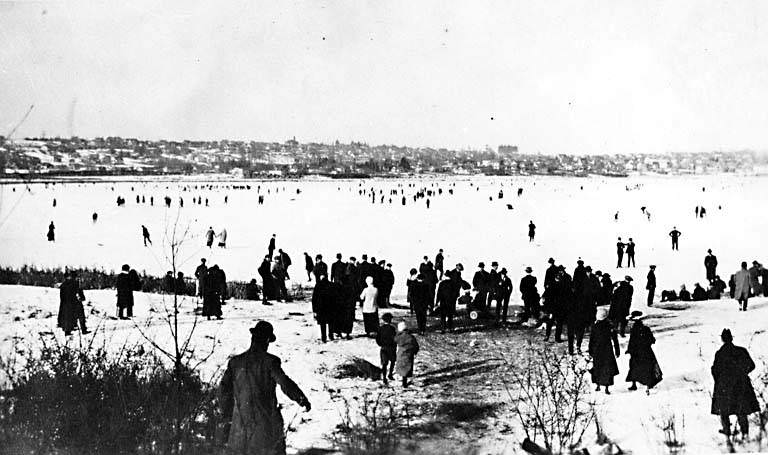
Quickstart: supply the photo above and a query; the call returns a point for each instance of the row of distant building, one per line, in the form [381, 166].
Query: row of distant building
[115, 155]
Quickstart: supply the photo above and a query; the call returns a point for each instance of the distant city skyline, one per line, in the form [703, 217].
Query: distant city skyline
[557, 77]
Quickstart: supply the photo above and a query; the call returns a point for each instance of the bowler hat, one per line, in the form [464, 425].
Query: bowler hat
[636, 314]
[481, 265]
[528, 269]
[494, 263]
[551, 261]
[263, 331]
[504, 270]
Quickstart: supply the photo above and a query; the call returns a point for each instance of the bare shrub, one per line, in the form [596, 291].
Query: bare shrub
[370, 429]
[672, 426]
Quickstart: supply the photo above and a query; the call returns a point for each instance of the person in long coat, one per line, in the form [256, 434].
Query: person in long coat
[212, 293]
[622, 301]
[407, 347]
[200, 275]
[309, 266]
[248, 400]
[348, 296]
[643, 366]
[368, 299]
[447, 293]
[421, 301]
[555, 298]
[71, 310]
[755, 272]
[530, 295]
[324, 306]
[51, 232]
[733, 392]
[126, 283]
[267, 281]
[710, 264]
[741, 286]
[604, 349]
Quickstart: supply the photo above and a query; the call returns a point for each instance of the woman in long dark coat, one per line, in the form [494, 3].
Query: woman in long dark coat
[643, 367]
[71, 305]
[733, 393]
[407, 347]
[603, 348]
[212, 293]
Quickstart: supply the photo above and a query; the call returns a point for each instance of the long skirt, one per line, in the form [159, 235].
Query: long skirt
[644, 368]
[371, 322]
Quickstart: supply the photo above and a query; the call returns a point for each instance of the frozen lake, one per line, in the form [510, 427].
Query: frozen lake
[331, 216]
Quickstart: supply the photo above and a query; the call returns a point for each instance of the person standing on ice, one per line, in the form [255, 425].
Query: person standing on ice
[145, 235]
[675, 234]
[619, 253]
[650, 284]
[51, 232]
[209, 236]
[643, 366]
[248, 400]
[710, 264]
[531, 231]
[223, 238]
[271, 248]
[741, 286]
[733, 392]
[530, 296]
[604, 349]
[631, 253]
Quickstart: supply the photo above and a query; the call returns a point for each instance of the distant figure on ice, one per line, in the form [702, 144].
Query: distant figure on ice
[54, 202]
[604, 349]
[531, 231]
[616, 217]
[271, 247]
[651, 284]
[95, 217]
[741, 286]
[733, 392]
[407, 348]
[675, 234]
[209, 235]
[309, 266]
[631, 253]
[71, 310]
[223, 238]
[697, 212]
[127, 282]
[619, 253]
[51, 232]
[710, 264]
[643, 366]
[519, 192]
[248, 400]
[145, 235]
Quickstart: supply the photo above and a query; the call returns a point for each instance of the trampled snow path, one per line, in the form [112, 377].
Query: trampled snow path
[686, 342]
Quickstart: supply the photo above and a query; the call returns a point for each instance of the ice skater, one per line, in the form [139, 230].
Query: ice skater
[145, 235]
[209, 235]
[675, 234]
[619, 253]
[630, 253]
[531, 231]
[223, 238]
[51, 232]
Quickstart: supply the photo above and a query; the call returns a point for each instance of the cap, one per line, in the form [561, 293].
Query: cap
[263, 331]
[386, 317]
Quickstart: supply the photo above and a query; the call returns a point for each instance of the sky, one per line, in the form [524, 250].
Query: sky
[553, 76]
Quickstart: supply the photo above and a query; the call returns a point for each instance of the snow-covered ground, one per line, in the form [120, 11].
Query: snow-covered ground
[687, 338]
[330, 216]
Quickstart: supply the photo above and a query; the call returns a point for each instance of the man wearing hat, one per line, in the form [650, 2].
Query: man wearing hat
[480, 283]
[733, 392]
[622, 301]
[710, 264]
[530, 295]
[248, 400]
[200, 274]
[505, 292]
[337, 270]
[494, 285]
[551, 274]
[651, 284]
[741, 286]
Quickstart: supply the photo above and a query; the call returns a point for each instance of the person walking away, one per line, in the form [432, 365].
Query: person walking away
[209, 236]
[309, 266]
[71, 311]
[531, 231]
[631, 253]
[200, 277]
[248, 401]
[447, 293]
[370, 309]
[385, 338]
[145, 235]
[651, 284]
[675, 234]
[407, 348]
[710, 264]
[126, 283]
[604, 349]
[505, 292]
[320, 267]
[223, 238]
[439, 264]
[643, 366]
[51, 232]
[421, 301]
[530, 295]
[733, 392]
[741, 286]
[323, 306]
[271, 248]
[286, 261]
[619, 253]
[337, 268]
[622, 301]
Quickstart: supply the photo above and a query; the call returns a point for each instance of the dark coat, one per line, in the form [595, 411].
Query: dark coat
[309, 264]
[420, 297]
[212, 293]
[550, 276]
[407, 347]
[528, 289]
[733, 392]
[70, 304]
[248, 400]
[651, 280]
[320, 269]
[710, 264]
[606, 291]
[385, 337]
[337, 271]
[622, 301]
[324, 301]
[447, 293]
[603, 348]
[643, 366]
[126, 283]
[267, 281]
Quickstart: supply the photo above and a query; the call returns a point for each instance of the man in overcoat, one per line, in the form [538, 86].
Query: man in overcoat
[248, 400]
[733, 392]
